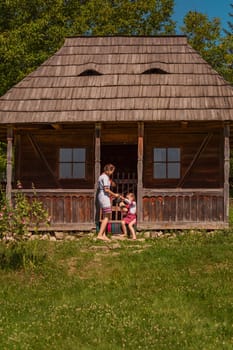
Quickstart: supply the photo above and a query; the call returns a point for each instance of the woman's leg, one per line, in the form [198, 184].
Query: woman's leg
[131, 228]
[103, 226]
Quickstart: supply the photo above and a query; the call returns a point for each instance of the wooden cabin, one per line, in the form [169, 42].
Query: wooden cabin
[149, 105]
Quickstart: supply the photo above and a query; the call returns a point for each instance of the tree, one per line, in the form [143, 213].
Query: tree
[32, 30]
[128, 17]
[227, 44]
[230, 24]
[204, 35]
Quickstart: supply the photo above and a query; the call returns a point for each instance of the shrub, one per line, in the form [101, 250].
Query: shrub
[16, 221]
[23, 215]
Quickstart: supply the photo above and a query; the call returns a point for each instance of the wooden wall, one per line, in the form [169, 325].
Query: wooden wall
[38, 154]
[201, 155]
[197, 199]
[69, 210]
[183, 209]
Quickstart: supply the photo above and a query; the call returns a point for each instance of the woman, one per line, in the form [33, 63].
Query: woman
[103, 198]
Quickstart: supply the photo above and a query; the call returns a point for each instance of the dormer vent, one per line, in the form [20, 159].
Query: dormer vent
[154, 71]
[89, 72]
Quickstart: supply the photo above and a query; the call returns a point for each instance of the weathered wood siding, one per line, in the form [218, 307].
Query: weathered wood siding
[69, 210]
[201, 155]
[38, 157]
[184, 208]
[74, 209]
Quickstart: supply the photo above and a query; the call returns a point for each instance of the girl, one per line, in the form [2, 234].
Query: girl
[131, 216]
[103, 198]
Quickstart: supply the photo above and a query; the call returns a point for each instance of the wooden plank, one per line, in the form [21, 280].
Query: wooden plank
[226, 170]
[182, 225]
[140, 169]
[9, 164]
[97, 167]
[184, 207]
[195, 158]
[41, 156]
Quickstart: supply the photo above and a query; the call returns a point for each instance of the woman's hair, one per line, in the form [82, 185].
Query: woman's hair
[109, 167]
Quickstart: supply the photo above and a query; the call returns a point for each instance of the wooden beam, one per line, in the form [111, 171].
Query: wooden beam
[57, 126]
[97, 167]
[18, 156]
[41, 156]
[195, 158]
[226, 134]
[140, 170]
[9, 164]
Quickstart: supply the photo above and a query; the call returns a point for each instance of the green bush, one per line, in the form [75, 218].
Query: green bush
[22, 216]
[16, 222]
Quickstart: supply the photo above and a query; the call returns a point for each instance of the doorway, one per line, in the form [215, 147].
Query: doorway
[124, 157]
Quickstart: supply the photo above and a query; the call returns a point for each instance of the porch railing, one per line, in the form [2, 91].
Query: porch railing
[125, 182]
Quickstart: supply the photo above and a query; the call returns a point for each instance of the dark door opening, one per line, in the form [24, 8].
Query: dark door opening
[124, 157]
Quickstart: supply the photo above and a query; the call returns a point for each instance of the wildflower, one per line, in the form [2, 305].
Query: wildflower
[19, 185]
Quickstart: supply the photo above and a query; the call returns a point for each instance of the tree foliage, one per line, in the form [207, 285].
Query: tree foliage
[227, 43]
[204, 35]
[230, 23]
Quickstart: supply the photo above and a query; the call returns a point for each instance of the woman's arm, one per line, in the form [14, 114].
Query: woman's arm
[107, 189]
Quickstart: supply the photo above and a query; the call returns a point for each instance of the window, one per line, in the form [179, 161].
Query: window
[166, 163]
[72, 163]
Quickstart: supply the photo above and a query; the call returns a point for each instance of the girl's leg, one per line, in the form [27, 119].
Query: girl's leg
[131, 228]
[123, 226]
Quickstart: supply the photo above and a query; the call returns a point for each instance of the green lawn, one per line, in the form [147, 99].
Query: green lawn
[163, 293]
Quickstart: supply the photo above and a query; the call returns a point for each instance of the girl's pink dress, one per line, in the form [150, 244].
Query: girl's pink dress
[131, 214]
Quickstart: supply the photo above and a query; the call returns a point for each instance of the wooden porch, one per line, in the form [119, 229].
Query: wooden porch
[169, 209]
[198, 199]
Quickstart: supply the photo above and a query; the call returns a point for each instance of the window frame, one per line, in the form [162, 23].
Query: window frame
[166, 162]
[72, 163]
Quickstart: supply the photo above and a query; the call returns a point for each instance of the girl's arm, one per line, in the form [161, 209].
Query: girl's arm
[126, 200]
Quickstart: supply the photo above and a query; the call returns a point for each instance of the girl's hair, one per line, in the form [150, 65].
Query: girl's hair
[131, 194]
[109, 167]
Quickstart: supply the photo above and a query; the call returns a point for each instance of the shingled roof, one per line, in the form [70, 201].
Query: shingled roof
[120, 79]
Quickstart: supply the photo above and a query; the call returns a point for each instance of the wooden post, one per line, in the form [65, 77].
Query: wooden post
[140, 171]
[9, 164]
[226, 170]
[97, 166]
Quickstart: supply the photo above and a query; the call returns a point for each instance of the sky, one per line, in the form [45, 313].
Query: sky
[212, 8]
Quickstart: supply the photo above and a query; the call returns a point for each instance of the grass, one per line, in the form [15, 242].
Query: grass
[166, 293]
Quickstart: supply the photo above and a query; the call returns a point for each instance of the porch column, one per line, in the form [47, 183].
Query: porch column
[140, 171]
[226, 170]
[97, 163]
[9, 163]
